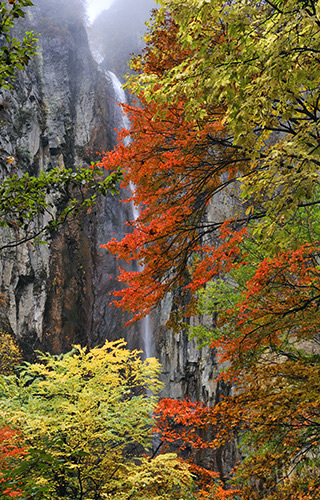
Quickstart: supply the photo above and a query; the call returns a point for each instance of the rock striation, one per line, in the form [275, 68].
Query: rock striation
[60, 114]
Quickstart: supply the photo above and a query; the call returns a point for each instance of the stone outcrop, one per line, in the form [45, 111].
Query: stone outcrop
[60, 114]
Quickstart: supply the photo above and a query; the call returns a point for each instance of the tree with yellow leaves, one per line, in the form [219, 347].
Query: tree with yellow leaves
[85, 420]
[10, 355]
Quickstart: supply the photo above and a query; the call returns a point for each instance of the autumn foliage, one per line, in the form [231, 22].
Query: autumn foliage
[10, 452]
[85, 419]
[223, 156]
[175, 165]
[10, 355]
[173, 153]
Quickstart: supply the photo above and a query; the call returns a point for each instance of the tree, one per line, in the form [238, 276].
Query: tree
[260, 61]
[14, 54]
[188, 426]
[266, 328]
[276, 414]
[10, 454]
[246, 96]
[85, 420]
[24, 198]
[176, 166]
[268, 331]
[10, 355]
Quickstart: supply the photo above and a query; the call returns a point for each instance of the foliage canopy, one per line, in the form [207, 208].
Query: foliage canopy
[28, 204]
[85, 420]
[14, 54]
[225, 158]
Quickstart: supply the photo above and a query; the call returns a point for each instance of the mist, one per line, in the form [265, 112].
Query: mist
[118, 32]
[115, 34]
[95, 7]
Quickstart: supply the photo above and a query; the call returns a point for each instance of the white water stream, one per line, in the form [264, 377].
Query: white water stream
[124, 122]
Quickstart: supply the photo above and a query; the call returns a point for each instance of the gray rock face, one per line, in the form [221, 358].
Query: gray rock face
[187, 370]
[59, 115]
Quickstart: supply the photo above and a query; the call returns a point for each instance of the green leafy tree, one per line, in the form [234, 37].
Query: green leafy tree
[10, 455]
[259, 62]
[85, 420]
[14, 54]
[24, 199]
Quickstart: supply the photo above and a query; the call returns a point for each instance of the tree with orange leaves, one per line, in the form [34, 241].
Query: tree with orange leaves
[225, 117]
[178, 167]
[10, 452]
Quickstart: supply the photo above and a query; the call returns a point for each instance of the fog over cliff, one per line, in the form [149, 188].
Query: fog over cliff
[95, 7]
[118, 32]
[59, 114]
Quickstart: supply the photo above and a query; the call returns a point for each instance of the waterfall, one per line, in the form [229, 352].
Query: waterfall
[123, 121]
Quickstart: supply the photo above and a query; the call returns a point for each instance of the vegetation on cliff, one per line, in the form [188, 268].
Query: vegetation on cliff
[33, 206]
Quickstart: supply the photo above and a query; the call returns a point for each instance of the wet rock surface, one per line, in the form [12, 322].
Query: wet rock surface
[59, 114]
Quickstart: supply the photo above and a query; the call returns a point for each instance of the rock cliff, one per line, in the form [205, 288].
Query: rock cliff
[60, 114]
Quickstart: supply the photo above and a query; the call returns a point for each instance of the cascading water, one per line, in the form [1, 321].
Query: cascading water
[122, 121]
